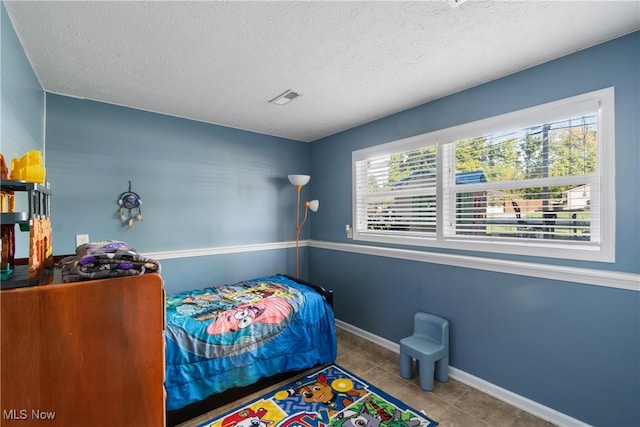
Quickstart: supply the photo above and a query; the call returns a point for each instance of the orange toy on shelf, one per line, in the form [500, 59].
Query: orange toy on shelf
[40, 242]
[28, 168]
[7, 201]
[4, 171]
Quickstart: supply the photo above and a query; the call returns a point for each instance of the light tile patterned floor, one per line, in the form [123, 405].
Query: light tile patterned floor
[452, 404]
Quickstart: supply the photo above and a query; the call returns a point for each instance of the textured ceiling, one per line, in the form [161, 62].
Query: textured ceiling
[353, 62]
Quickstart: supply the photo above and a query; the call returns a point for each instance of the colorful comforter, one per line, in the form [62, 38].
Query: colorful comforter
[232, 335]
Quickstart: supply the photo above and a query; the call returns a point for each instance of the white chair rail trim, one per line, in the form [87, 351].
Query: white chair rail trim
[612, 279]
[222, 250]
[500, 393]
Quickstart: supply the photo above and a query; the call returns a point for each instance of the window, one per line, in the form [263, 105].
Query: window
[534, 182]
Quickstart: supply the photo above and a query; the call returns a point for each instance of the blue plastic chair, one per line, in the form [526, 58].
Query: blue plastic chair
[429, 345]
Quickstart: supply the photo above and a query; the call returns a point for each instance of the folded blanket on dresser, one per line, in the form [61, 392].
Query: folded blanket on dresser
[105, 259]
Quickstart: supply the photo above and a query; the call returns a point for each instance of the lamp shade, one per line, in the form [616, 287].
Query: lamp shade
[313, 205]
[299, 179]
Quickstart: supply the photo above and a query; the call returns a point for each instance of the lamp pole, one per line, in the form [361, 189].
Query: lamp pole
[298, 188]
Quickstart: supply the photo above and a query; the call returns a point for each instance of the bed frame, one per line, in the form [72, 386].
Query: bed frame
[218, 400]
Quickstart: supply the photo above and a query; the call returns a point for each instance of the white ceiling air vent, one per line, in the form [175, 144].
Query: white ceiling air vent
[456, 3]
[285, 97]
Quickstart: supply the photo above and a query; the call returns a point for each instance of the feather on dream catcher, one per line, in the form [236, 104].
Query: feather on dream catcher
[130, 207]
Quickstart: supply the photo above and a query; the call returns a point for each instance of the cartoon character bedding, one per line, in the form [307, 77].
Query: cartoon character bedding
[233, 335]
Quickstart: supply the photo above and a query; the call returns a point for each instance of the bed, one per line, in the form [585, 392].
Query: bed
[229, 337]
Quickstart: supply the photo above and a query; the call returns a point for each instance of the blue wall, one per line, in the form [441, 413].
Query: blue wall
[21, 112]
[201, 185]
[22, 97]
[565, 345]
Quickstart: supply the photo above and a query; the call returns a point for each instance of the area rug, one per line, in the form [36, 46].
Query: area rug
[331, 396]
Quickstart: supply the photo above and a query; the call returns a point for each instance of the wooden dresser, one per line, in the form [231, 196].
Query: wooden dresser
[83, 354]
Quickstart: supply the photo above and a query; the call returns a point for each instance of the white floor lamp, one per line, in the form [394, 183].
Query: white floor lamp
[300, 181]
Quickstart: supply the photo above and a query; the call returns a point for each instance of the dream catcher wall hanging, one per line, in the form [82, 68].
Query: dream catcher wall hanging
[130, 209]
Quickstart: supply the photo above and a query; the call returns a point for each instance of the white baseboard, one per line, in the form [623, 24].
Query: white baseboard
[500, 393]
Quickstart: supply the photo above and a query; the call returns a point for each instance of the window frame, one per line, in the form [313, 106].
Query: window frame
[443, 139]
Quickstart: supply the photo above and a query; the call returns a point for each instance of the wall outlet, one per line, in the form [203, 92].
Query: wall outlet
[81, 239]
[349, 231]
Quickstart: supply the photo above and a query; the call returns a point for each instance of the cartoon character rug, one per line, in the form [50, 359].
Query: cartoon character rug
[329, 397]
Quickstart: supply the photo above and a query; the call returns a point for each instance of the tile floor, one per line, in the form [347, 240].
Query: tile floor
[452, 404]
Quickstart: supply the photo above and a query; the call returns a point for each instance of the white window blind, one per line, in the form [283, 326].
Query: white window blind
[538, 181]
[396, 193]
